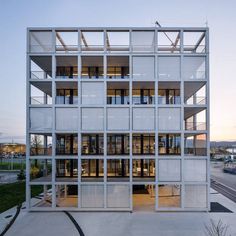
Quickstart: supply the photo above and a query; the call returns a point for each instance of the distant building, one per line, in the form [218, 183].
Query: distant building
[118, 118]
[12, 149]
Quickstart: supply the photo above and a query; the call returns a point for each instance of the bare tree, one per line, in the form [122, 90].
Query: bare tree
[36, 144]
[216, 229]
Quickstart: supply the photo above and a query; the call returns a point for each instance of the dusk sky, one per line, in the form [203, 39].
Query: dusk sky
[17, 15]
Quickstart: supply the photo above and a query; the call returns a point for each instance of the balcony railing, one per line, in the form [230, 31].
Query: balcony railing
[168, 48]
[146, 100]
[173, 100]
[62, 151]
[118, 100]
[40, 100]
[40, 74]
[195, 126]
[41, 48]
[92, 48]
[195, 101]
[66, 100]
[192, 75]
[40, 151]
[117, 72]
[92, 72]
[194, 49]
[143, 48]
[66, 48]
[195, 151]
[116, 48]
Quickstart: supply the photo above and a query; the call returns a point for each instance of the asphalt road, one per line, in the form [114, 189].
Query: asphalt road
[218, 175]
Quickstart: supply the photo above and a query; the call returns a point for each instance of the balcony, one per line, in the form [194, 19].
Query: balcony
[169, 93]
[92, 67]
[195, 145]
[40, 67]
[143, 93]
[195, 126]
[66, 67]
[40, 145]
[66, 93]
[118, 93]
[118, 67]
[41, 93]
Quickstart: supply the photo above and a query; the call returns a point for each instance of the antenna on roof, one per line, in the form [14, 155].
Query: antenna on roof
[157, 23]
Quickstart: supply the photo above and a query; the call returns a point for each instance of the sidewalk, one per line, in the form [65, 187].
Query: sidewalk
[122, 224]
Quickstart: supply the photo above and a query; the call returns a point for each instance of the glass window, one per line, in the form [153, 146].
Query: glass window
[117, 144]
[144, 168]
[144, 144]
[67, 144]
[169, 144]
[91, 168]
[92, 144]
[118, 168]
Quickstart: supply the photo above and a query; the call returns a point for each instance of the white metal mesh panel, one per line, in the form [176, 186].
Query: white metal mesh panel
[169, 118]
[143, 68]
[40, 119]
[67, 119]
[92, 196]
[169, 170]
[118, 118]
[143, 119]
[169, 68]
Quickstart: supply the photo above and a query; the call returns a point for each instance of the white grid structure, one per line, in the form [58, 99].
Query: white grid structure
[94, 195]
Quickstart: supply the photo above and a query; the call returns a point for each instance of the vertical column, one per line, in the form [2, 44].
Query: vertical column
[156, 131]
[182, 119]
[28, 194]
[79, 87]
[53, 123]
[208, 117]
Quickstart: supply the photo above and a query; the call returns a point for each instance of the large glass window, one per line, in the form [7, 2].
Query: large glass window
[169, 144]
[67, 144]
[117, 144]
[169, 96]
[144, 168]
[118, 96]
[91, 168]
[67, 96]
[92, 144]
[118, 168]
[67, 168]
[143, 96]
[144, 144]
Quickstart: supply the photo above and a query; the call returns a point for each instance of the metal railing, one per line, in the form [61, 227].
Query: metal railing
[195, 151]
[123, 48]
[66, 100]
[195, 100]
[62, 151]
[195, 126]
[118, 100]
[40, 100]
[40, 48]
[40, 74]
[92, 48]
[147, 100]
[40, 151]
[194, 49]
[66, 48]
[142, 48]
[173, 100]
[190, 74]
[168, 48]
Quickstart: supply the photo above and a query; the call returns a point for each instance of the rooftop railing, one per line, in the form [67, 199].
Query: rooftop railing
[195, 151]
[40, 74]
[42, 48]
[39, 151]
[195, 126]
[40, 100]
[195, 100]
[173, 100]
[66, 48]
